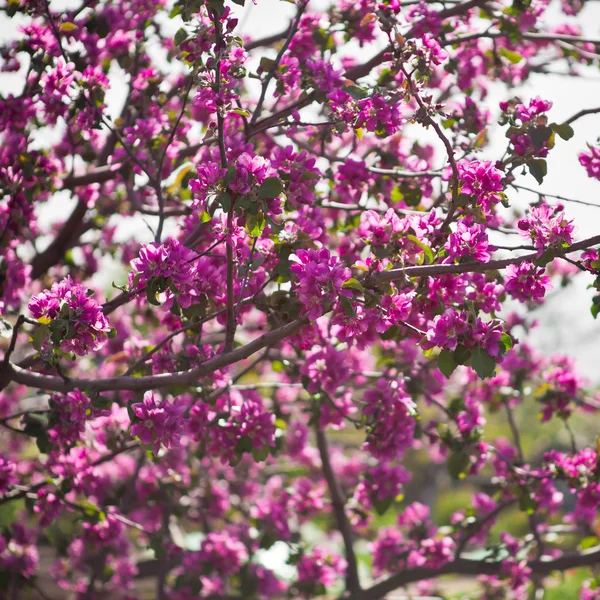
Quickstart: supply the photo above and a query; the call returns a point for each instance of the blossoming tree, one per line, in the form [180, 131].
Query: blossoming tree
[331, 290]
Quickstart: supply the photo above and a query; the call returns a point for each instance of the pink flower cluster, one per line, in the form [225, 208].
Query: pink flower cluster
[469, 240]
[160, 422]
[415, 544]
[547, 228]
[392, 413]
[527, 118]
[70, 412]
[320, 278]
[74, 318]
[452, 328]
[319, 569]
[242, 425]
[526, 282]
[481, 181]
[590, 161]
[171, 261]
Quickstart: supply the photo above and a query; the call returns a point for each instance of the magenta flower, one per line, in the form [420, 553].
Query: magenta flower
[170, 260]
[75, 320]
[547, 228]
[393, 416]
[319, 567]
[591, 161]
[222, 552]
[160, 422]
[480, 180]
[470, 239]
[19, 554]
[446, 330]
[526, 282]
[8, 474]
[320, 279]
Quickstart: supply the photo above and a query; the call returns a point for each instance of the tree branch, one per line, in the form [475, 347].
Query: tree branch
[265, 84]
[531, 36]
[153, 382]
[471, 267]
[582, 113]
[465, 566]
[338, 503]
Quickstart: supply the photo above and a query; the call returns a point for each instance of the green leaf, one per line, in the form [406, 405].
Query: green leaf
[538, 168]
[353, 284]
[506, 343]
[446, 363]
[539, 135]
[5, 329]
[527, 504]
[381, 506]
[588, 542]
[240, 111]
[224, 198]
[43, 443]
[347, 306]
[512, 57]
[244, 445]
[482, 363]
[68, 26]
[266, 63]
[255, 224]
[151, 294]
[391, 333]
[426, 249]
[270, 188]
[355, 92]
[462, 354]
[180, 36]
[268, 539]
[458, 464]
[565, 131]
[260, 454]
[39, 336]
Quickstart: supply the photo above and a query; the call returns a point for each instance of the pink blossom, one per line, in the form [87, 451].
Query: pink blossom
[526, 282]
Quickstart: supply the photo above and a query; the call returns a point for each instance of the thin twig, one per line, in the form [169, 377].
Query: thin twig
[159, 194]
[271, 72]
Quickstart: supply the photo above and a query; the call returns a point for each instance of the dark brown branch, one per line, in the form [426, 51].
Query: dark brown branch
[51, 383]
[267, 41]
[582, 113]
[338, 503]
[99, 175]
[474, 528]
[556, 196]
[465, 566]
[67, 237]
[184, 378]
